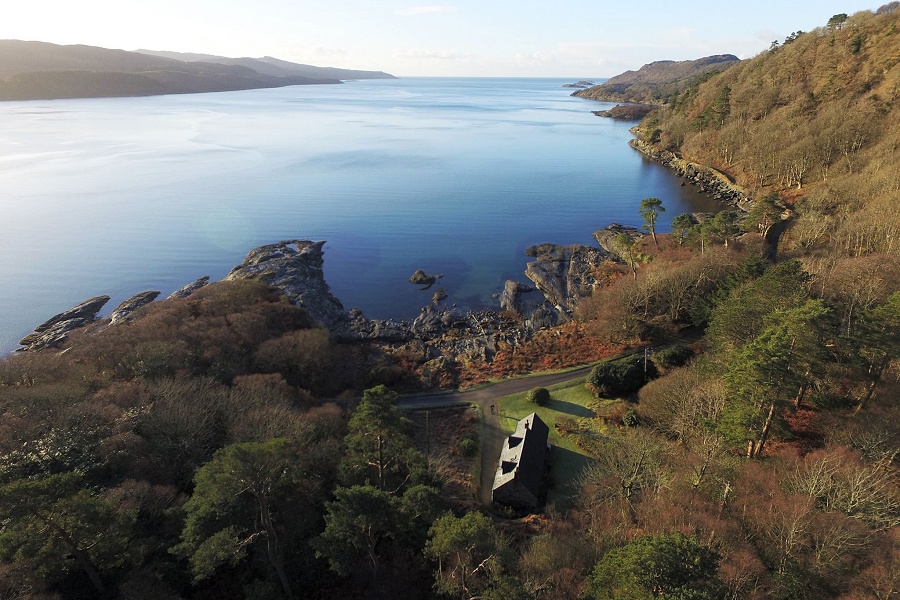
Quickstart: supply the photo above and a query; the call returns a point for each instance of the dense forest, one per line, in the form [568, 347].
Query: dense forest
[224, 446]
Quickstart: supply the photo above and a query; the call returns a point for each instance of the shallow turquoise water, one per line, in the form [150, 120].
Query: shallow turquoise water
[453, 176]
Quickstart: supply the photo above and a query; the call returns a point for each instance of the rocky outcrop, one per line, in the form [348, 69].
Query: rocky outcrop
[295, 267]
[707, 180]
[420, 277]
[124, 311]
[190, 288]
[606, 237]
[579, 84]
[433, 322]
[519, 298]
[53, 331]
[564, 273]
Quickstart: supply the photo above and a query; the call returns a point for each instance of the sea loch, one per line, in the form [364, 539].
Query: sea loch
[453, 176]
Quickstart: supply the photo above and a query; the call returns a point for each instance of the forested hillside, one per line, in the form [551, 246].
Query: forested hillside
[814, 119]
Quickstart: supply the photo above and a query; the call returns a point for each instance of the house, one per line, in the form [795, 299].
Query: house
[524, 462]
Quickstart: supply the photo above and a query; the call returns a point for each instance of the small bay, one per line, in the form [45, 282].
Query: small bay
[453, 176]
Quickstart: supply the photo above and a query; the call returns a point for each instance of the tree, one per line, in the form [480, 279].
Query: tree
[357, 522]
[701, 233]
[682, 224]
[771, 369]
[365, 524]
[881, 342]
[50, 520]
[837, 21]
[240, 501]
[665, 566]
[627, 466]
[466, 550]
[650, 209]
[724, 225]
[738, 318]
[764, 213]
[379, 443]
[625, 244]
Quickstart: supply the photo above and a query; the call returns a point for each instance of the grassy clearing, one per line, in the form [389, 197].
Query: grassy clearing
[572, 408]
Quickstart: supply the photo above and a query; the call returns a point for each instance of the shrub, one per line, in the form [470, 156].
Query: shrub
[630, 418]
[619, 377]
[468, 445]
[539, 396]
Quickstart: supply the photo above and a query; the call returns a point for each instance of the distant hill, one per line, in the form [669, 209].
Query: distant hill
[654, 83]
[39, 70]
[268, 65]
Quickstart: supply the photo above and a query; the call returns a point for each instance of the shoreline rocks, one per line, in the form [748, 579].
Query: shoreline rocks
[706, 179]
[187, 290]
[125, 310]
[606, 237]
[56, 329]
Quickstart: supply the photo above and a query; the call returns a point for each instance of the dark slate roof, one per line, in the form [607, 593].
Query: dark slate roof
[524, 455]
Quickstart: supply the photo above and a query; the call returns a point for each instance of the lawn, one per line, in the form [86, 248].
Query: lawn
[571, 406]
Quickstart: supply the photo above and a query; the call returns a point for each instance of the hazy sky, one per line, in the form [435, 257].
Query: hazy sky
[564, 38]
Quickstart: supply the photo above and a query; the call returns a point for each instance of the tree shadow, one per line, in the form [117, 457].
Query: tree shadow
[570, 408]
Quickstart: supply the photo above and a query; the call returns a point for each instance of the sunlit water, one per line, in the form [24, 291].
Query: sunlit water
[453, 176]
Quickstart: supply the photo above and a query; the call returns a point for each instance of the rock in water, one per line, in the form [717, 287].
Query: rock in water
[54, 330]
[295, 267]
[564, 273]
[420, 277]
[190, 288]
[124, 311]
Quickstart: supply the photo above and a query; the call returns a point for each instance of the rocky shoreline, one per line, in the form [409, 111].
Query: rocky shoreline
[559, 276]
[706, 179]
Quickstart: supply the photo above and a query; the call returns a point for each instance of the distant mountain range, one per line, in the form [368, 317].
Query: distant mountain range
[39, 70]
[657, 81]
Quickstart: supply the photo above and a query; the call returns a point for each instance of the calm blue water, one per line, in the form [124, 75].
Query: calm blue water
[453, 176]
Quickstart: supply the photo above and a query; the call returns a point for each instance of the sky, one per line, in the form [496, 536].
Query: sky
[453, 38]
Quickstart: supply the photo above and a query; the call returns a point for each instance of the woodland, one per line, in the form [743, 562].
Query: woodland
[221, 446]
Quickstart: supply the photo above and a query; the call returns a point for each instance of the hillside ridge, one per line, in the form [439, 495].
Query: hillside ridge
[655, 82]
[39, 70]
